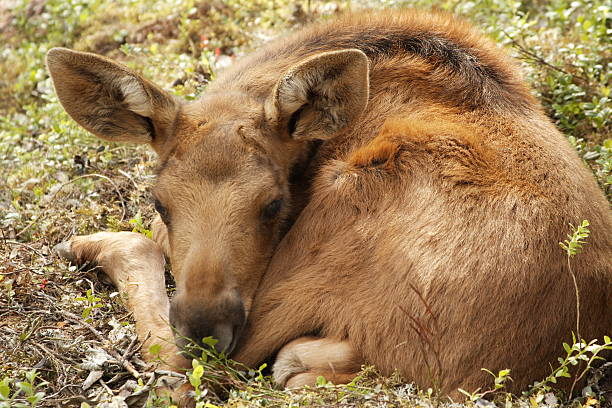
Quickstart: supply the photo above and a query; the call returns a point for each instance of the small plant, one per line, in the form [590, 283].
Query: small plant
[195, 377]
[322, 382]
[500, 380]
[91, 302]
[138, 226]
[430, 342]
[213, 371]
[572, 247]
[24, 394]
[578, 352]
[577, 239]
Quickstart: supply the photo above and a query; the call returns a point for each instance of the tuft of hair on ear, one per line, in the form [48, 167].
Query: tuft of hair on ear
[135, 96]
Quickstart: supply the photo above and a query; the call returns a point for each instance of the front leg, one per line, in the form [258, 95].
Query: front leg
[281, 314]
[135, 265]
[301, 360]
[277, 317]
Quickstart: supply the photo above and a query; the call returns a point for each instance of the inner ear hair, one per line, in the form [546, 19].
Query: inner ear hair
[135, 96]
[321, 95]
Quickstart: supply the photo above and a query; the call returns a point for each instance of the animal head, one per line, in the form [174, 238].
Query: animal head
[223, 187]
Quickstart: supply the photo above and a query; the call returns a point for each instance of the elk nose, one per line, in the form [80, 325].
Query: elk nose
[194, 319]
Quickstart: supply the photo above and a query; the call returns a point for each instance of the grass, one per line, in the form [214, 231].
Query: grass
[59, 324]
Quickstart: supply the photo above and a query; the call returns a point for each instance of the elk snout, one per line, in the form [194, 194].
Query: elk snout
[195, 319]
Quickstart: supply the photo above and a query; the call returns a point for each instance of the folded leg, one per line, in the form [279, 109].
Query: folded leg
[302, 361]
[135, 265]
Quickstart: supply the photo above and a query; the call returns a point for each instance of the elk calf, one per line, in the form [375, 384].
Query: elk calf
[352, 179]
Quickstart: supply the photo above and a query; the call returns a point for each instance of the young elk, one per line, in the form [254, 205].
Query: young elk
[343, 182]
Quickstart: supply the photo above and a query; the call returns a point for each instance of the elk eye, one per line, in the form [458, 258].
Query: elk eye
[162, 211]
[271, 210]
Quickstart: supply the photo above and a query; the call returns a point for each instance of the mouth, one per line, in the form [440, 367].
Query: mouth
[194, 322]
[232, 345]
[190, 346]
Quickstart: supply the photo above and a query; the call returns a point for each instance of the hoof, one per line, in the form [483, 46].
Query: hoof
[64, 250]
[287, 365]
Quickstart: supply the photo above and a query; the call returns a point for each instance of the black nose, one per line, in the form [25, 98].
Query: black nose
[195, 319]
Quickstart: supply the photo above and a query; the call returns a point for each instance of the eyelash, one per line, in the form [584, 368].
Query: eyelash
[272, 209]
[162, 211]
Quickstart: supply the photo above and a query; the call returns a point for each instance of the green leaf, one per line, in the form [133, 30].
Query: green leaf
[567, 348]
[34, 399]
[488, 371]
[155, 349]
[31, 375]
[321, 381]
[25, 387]
[210, 341]
[5, 390]
[198, 371]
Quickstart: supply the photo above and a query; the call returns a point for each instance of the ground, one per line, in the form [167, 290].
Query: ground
[67, 339]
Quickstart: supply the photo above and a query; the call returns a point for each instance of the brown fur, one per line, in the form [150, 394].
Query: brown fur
[451, 181]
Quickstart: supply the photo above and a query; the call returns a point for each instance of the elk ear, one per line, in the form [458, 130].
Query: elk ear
[321, 95]
[109, 100]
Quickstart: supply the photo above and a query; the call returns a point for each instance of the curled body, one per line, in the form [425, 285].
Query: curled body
[355, 177]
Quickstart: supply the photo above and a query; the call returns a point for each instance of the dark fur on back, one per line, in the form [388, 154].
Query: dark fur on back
[463, 68]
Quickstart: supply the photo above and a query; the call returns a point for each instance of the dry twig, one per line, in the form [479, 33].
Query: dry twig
[126, 364]
[535, 57]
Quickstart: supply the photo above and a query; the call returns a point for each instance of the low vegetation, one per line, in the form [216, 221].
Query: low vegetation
[66, 337]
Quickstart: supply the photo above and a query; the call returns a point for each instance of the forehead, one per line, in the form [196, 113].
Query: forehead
[215, 139]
